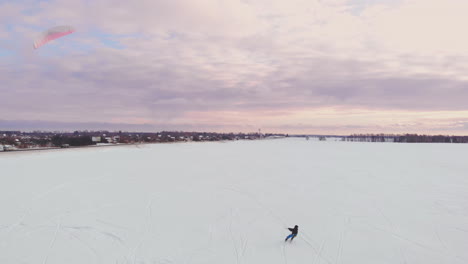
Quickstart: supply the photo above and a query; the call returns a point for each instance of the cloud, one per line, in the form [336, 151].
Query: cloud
[31, 125]
[163, 62]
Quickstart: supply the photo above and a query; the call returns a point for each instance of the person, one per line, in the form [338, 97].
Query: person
[293, 233]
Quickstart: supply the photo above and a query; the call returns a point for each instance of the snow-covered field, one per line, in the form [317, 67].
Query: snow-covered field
[231, 203]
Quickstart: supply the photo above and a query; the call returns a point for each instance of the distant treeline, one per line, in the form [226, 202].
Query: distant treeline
[37, 139]
[61, 140]
[406, 138]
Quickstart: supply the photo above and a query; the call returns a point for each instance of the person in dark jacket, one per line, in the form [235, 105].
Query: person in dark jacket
[293, 233]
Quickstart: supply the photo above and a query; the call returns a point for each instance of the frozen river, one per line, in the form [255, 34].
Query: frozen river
[232, 202]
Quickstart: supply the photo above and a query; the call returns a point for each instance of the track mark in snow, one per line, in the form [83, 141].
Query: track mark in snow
[403, 255]
[390, 232]
[461, 229]
[239, 241]
[439, 253]
[93, 250]
[339, 255]
[389, 222]
[165, 261]
[149, 218]
[319, 252]
[305, 238]
[440, 240]
[53, 241]
[233, 240]
[260, 204]
[340, 248]
[244, 246]
[92, 229]
[112, 225]
[393, 229]
[448, 250]
[445, 208]
[113, 236]
[284, 253]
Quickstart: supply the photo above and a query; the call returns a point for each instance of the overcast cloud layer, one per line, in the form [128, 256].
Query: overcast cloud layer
[296, 66]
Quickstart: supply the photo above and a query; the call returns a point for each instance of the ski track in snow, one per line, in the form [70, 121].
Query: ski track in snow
[461, 229]
[236, 251]
[427, 248]
[285, 257]
[340, 243]
[319, 253]
[305, 238]
[106, 234]
[92, 249]
[447, 249]
[436, 232]
[392, 227]
[147, 231]
[240, 244]
[113, 225]
[52, 242]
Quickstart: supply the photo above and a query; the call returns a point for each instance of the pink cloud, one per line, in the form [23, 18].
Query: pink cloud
[240, 64]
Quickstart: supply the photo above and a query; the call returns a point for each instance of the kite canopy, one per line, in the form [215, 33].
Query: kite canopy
[51, 34]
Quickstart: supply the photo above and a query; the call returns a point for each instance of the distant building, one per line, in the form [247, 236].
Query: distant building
[96, 139]
[8, 147]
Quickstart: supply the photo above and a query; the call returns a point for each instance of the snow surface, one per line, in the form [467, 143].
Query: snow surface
[231, 203]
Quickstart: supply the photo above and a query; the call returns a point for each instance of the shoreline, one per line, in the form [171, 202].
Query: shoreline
[115, 145]
[78, 147]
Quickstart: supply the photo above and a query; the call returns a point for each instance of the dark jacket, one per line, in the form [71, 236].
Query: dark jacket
[294, 230]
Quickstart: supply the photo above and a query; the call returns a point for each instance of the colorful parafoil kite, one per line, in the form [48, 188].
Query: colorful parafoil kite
[51, 34]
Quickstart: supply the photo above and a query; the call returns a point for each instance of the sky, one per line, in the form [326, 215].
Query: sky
[296, 66]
